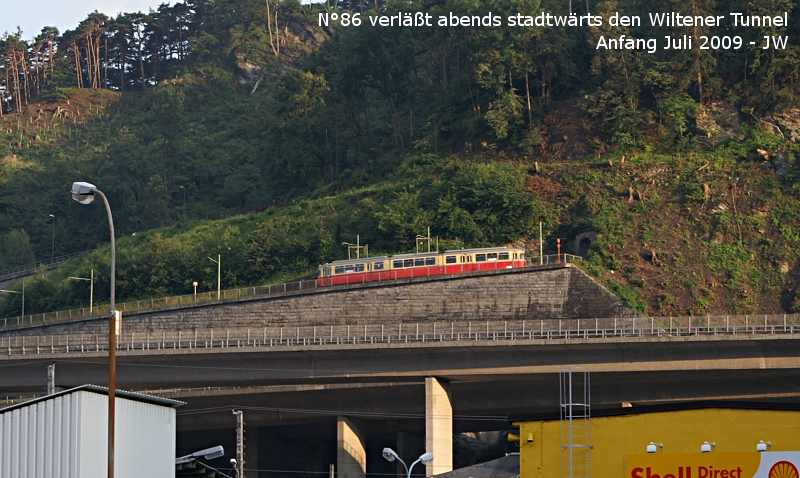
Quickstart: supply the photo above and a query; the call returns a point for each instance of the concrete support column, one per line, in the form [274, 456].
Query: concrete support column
[438, 426]
[351, 454]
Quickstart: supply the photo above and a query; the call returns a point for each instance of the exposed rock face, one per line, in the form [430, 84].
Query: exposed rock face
[785, 123]
[249, 72]
[717, 120]
[296, 39]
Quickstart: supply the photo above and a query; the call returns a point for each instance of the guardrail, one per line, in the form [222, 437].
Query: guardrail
[229, 294]
[349, 335]
[33, 266]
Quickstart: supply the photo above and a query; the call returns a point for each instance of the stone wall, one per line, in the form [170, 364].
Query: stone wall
[544, 292]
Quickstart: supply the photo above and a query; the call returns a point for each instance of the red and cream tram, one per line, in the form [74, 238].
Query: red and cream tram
[421, 264]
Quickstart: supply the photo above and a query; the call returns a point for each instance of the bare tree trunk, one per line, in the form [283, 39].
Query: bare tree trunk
[274, 43]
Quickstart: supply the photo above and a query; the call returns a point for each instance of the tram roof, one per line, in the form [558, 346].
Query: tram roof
[411, 255]
[356, 261]
[483, 249]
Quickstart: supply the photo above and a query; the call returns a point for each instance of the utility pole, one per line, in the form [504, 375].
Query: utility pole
[51, 379]
[219, 274]
[239, 444]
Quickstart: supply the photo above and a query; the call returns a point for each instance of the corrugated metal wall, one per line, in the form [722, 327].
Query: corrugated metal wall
[66, 437]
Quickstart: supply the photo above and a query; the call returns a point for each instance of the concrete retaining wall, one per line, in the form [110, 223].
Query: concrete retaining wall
[545, 292]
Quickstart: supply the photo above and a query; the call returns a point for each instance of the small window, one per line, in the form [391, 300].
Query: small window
[359, 267]
[408, 263]
[480, 257]
[349, 268]
[397, 264]
[492, 256]
[515, 255]
[339, 269]
[430, 261]
[504, 256]
[450, 259]
[419, 262]
[377, 266]
[522, 256]
[463, 259]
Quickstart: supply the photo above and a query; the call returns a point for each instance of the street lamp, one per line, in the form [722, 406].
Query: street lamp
[390, 455]
[84, 193]
[184, 202]
[219, 272]
[22, 315]
[91, 289]
[208, 454]
[53, 243]
[194, 284]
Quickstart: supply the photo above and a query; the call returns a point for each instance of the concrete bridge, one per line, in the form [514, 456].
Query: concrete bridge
[333, 377]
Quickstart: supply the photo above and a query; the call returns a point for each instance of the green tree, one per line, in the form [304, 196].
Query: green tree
[17, 250]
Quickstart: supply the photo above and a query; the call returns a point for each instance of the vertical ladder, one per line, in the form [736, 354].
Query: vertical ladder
[575, 401]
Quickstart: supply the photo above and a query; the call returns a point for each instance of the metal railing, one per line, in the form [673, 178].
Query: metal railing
[230, 294]
[33, 266]
[405, 333]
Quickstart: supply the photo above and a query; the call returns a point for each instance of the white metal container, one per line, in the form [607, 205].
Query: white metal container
[65, 435]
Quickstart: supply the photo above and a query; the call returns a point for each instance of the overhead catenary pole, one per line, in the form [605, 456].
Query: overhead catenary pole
[53, 243]
[219, 274]
[541, 245]
[51, 379]
[239, 443]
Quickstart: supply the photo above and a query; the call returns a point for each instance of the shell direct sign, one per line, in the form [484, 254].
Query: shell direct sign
[780, 464]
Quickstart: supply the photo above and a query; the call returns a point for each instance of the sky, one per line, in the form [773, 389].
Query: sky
[32, 15]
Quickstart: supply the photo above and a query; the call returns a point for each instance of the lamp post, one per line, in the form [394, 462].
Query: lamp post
[91, 289]
[22, 315]
[390, 455]
[219, 272]
[84, 193]
[53, 242]
[184, 202]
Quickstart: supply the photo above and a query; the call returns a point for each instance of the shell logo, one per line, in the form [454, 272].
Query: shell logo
[783, 469]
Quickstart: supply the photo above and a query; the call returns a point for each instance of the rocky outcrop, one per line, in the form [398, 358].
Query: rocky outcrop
[785, 123]
[296, 39]
[717, 120]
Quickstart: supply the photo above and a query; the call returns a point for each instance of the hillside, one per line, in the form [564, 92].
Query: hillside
[273, 152]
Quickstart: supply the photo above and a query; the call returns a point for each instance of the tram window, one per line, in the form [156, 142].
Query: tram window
[492, 256]
[359, 267]
[522, 256]
[463, 258]
[450, 259]
[339, 269]
[504, 256]
[419, 262]
[408, 263]
[397, 264]
[349, 268]
[515, 255]
[377, 266]
[480, 257]
[430, 261]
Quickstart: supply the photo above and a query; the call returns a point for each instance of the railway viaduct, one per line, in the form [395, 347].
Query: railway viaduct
[332, 376]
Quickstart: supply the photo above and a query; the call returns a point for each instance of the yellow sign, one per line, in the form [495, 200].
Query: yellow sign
[779, 464]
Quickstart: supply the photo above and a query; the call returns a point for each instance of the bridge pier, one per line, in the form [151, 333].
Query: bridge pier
[351, 453]
[438, 426]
